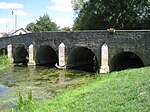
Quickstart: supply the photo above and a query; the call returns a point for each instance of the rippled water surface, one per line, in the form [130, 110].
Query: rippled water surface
[43, 82]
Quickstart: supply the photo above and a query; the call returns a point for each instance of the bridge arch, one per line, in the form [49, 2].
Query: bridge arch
[125, 60]
[82, 58]
[3, 51]
[20, 56]
[46, 56]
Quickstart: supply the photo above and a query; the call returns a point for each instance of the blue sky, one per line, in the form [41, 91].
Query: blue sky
[60, 11]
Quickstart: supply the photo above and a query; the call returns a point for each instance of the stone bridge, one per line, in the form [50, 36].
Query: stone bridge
[80, 50]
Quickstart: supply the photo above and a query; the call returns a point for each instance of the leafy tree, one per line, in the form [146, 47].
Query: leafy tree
[119, 14]
[43, 24]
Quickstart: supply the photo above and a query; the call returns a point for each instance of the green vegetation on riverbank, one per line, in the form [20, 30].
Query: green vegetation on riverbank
[127, 91]
[3, 62]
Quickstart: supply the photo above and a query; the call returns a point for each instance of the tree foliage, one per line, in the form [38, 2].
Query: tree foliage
[43, 24]
[118, 14]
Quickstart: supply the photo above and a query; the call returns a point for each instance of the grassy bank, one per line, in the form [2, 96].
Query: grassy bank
[4, 62]
[124, 91]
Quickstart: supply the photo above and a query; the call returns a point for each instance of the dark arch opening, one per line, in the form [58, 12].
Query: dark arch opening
[3, 51]
[21, 56]
[125, 60]
[46, 56]
[83, 59]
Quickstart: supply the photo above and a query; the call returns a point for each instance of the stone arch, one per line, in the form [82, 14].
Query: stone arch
[46, 56]
[3, 51]
[20, 56]
[82, 58]
[125, 60]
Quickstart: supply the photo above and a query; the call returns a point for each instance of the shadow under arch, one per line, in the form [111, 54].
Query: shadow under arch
[46, 56]
[125, 60]
[82, 58]
[3, 51]
[21, 56]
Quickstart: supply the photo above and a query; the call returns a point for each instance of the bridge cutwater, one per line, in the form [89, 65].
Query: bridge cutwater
[80, 50]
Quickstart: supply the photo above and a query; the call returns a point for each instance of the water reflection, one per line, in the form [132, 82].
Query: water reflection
[42, 81]
[3, 89]
[61, 76]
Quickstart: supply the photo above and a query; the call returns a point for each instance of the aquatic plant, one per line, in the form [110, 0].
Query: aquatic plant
[25, 104]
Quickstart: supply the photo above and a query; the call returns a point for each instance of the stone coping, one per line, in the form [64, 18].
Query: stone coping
[94, 31]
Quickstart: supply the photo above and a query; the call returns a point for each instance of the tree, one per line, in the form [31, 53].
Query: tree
[43, 24]
[78, 5]
[118, 14]
[32, 27]
[66, 29]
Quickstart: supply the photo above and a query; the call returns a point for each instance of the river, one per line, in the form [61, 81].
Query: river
[43, 82]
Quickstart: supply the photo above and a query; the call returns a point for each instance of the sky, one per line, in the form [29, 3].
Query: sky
[60, 12]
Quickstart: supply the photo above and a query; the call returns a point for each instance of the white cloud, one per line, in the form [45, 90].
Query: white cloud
[61, 5]
[7, 20]
[66, 22]
[5, 5]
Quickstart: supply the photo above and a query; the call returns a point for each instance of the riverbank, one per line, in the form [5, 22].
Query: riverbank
[127, 90]
[124, 91]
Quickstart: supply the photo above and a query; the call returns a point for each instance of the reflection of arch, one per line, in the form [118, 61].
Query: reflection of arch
[46, 56]
[21, 56]
[3, 51]
[82, 58]
[125, 60]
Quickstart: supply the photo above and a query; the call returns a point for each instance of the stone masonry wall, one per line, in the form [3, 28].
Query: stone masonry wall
[137, 42]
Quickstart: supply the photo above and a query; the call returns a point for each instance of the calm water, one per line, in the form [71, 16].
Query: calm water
[43, 82]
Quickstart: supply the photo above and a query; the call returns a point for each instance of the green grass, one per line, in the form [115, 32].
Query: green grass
[124, 91]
